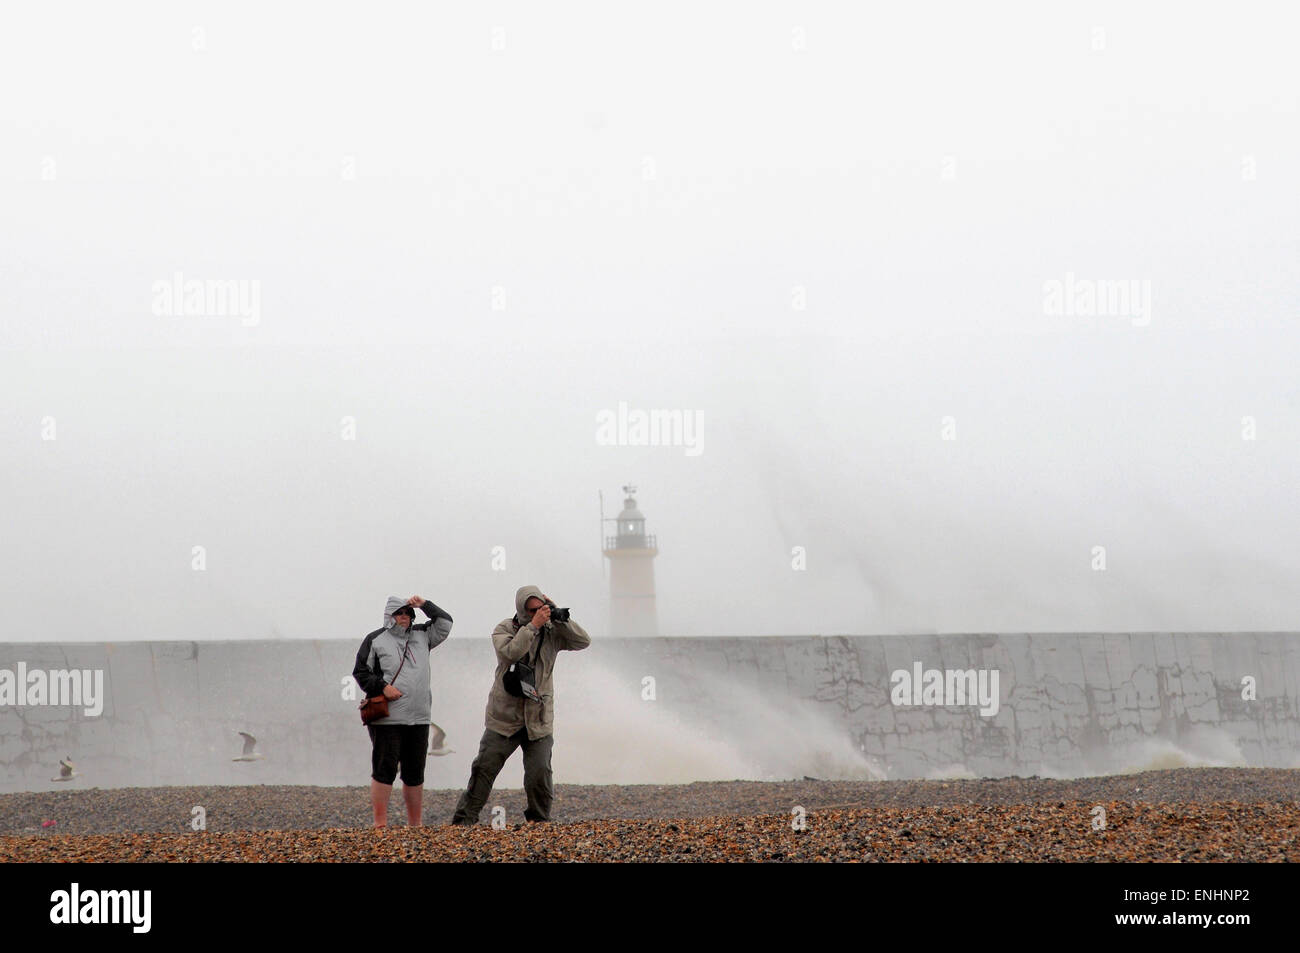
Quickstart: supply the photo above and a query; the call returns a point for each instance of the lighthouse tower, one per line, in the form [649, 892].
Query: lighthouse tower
[632, 573]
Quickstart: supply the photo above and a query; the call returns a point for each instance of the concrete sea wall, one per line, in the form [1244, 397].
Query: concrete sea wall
[670, 710]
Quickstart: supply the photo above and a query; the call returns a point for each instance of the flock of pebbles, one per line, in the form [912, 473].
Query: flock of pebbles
[1184, 814]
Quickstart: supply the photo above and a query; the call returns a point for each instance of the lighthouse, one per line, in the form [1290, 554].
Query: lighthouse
[632, 572]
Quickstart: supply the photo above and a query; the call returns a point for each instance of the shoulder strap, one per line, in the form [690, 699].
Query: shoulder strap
[379, 669]
[399, 667]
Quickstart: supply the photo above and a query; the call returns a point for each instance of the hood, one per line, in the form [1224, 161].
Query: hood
[394, 603]
[525, 593]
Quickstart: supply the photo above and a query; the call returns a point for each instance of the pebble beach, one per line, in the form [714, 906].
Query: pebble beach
[1184, 814]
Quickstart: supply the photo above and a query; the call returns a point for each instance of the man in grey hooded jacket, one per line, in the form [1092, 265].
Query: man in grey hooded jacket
[394, 662]
[530, 636]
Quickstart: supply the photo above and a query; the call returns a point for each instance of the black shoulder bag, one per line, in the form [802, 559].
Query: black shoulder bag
[520, 679]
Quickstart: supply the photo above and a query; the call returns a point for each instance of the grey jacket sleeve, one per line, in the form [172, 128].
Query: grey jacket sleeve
[439, 625]
[572, 636]
[363, 670]
[514, 645]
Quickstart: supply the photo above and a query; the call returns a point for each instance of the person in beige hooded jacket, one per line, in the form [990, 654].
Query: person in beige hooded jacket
[511, 722]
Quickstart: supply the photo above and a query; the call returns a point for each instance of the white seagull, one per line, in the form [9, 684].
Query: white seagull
[66, 770]
[250, 743]
[437, 741]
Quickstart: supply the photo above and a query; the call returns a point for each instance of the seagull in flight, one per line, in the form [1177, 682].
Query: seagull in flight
[438, 741]
[250, 743]
[66, 770]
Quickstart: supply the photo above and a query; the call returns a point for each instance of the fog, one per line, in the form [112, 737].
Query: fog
[831, 232]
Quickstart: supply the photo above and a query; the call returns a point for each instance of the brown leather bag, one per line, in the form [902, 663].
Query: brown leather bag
[377, 707]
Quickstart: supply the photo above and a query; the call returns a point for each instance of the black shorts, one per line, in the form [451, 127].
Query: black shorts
[390, 744]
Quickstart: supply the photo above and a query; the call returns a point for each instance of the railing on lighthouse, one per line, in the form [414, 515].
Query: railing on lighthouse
[630, 526]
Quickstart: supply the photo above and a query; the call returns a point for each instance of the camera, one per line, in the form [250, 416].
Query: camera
[558, 614]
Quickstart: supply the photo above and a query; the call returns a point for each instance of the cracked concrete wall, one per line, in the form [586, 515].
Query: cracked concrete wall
[669, 710]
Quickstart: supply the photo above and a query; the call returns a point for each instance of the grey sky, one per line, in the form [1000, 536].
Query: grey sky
[824, 227]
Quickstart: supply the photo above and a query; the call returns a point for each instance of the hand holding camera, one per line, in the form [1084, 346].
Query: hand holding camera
[548, 611]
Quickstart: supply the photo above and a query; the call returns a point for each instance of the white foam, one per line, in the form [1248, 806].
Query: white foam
[612, 736]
